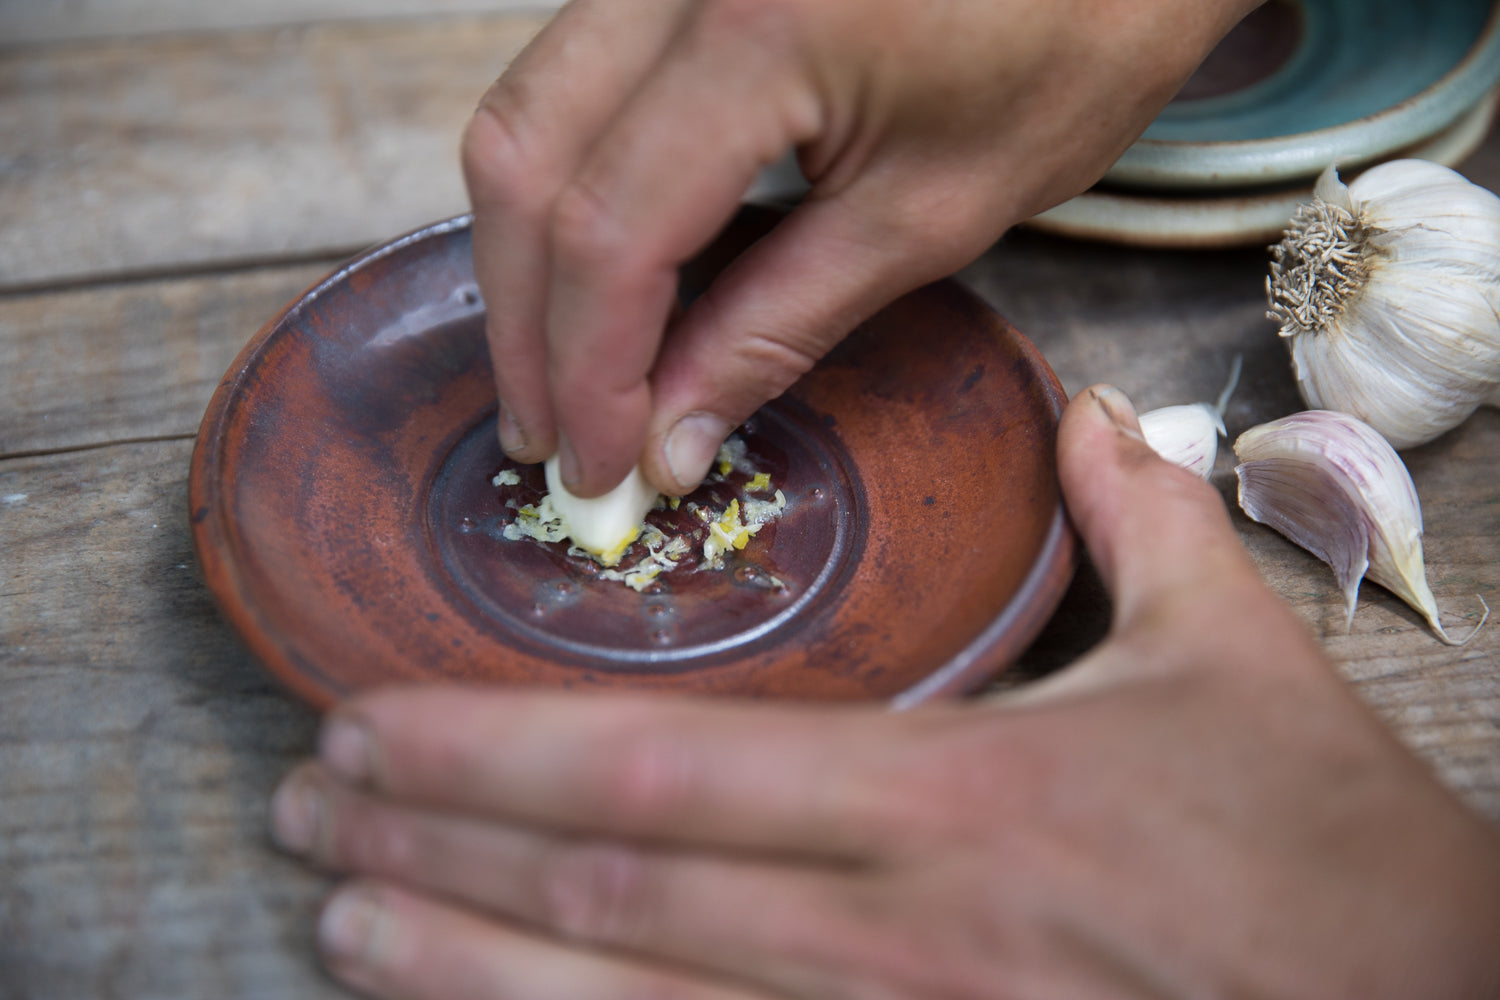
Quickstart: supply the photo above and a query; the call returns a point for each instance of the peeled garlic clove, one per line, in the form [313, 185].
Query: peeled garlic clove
[1186, 435]
[606, 525]
[1388, 293]
[1337, 488]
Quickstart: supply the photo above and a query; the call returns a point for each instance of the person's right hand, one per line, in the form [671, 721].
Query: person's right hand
[624, 136]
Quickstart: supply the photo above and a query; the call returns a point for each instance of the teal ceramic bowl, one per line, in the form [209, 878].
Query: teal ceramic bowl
[1230, 217]
[1305, 83]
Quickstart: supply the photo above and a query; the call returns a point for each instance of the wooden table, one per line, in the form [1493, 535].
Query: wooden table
[161, 195]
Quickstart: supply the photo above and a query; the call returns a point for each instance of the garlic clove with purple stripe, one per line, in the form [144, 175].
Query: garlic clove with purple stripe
[1186, 435]
[1336, 487]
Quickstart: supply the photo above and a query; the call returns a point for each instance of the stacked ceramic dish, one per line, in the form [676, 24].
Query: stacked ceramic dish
[1299, 85]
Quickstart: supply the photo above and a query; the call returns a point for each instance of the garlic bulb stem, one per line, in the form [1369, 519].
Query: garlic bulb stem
[1222, 403]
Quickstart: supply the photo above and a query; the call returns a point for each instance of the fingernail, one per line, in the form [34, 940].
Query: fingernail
[346, 748]
[691, 445]
[354, 927]
[1120, 410]
[512, 437]
[296, 814]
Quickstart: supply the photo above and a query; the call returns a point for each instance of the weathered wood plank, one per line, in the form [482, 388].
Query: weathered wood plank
[128, 361]
[183, 151]
[31, 22]
[138, 746]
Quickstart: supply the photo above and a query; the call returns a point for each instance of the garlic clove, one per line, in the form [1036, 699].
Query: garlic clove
[1388, 294]
[1186, 435]
[1336, 487]
[604, 526]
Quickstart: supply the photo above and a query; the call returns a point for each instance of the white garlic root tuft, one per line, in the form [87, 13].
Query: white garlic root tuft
[1188, 435]
[1388, 293]
[1334, 486]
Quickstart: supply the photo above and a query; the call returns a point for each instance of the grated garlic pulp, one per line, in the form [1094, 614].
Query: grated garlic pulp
[726, 526]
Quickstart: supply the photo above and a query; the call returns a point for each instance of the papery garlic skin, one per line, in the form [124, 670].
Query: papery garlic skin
[1388, 291]
[1337, 488]
[1186, 435]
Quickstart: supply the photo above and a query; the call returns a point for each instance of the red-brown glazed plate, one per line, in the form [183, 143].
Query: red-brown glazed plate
[346, 522]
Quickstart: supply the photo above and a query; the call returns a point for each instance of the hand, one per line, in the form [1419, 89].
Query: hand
[622, 139]
[1198, 808]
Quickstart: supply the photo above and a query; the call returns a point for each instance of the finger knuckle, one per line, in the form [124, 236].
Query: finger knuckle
[779, 361]
[587, 232]
[925, 800]
[574, 376]
[741, 19]
[766, 361]
[597, 892]
[650, 780]
[374, 842]
[499, 158]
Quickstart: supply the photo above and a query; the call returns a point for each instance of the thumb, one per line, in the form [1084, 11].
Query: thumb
[1160, 536]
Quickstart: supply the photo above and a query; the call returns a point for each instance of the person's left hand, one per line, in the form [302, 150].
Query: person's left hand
[1198, 808]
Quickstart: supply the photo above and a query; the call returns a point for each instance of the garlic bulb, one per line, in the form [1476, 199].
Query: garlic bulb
[1338, 489]
[1188, 435]
[1388, 292]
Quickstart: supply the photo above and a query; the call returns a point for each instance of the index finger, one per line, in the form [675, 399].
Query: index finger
[782, 780]
[526, 138]
[654, 189]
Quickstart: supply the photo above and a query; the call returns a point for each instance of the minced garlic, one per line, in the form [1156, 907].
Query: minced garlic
[725, 530]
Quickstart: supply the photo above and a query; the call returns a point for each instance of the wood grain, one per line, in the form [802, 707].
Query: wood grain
[125, 157]
[138, 746]
[34, 22]
[128, 361]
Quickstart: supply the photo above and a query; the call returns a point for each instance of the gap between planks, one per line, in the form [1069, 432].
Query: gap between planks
[330, 257]
[94, 446]
[131, 361]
